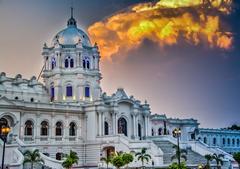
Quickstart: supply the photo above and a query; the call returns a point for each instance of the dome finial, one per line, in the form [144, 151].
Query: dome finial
[72, 21]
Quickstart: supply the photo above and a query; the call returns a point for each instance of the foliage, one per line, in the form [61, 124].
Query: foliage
[107, 160]
[209, 158]
[143, 156]
[234, 127]
[218, 158]
[127, 158]
[236, 156]
[32, 157]
[176, 166]
[179, 153]
[70, 159]
[117, 161]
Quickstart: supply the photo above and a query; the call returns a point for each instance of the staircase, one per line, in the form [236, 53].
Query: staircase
[193, 158]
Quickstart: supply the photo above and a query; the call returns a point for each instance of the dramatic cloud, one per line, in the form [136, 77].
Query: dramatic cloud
[164, 22]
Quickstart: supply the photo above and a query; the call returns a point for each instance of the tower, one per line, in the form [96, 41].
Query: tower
[71, 66]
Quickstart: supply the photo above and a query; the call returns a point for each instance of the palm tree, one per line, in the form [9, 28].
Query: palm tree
[218, 158]
[70, 159]
[32, 157]
[209, 158]
[107, 160]
[179, 153]
[143, 156]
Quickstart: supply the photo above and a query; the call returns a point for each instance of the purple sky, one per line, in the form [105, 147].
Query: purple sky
[182, 81]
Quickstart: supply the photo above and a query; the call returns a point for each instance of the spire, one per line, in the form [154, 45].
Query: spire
[72, 21]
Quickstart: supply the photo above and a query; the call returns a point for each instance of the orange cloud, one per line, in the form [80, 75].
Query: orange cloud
[163, 22]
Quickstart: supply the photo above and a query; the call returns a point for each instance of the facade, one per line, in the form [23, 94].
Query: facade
[69, 111]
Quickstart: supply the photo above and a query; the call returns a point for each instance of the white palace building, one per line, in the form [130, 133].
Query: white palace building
[69, 111]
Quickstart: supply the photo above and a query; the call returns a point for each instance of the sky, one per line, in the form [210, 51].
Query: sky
[181, 80]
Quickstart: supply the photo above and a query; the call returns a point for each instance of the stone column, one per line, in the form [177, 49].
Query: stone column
[113, 123]
[134, 126]
[146, 127]
[102, 124]
[99, 123]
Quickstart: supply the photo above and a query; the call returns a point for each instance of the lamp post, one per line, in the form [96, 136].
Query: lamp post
[177, 133]
[3, 136]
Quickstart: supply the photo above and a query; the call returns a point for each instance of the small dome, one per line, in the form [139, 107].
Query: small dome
[71, 35]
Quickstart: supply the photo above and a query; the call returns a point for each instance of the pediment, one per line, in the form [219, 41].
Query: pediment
[5, 101]
[121, 94]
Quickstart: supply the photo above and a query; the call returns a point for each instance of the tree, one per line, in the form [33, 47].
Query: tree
[32, 157]
[234, 127]
[176, 166]
[209, 158]
[236, 156]
[117, 160]
[218, 158]
[70, 159]
[143, 156]
[179, 153]
[127, 158]
[107, 160]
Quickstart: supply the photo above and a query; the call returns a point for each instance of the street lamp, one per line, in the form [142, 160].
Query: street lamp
[177, 133]
[3, 136]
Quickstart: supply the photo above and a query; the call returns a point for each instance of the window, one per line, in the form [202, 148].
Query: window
[86, 63]
[28, 128]
[160, 131]
[228, 141]
[72, 129]
[69, 91]
[69, 62]
[223, 141]
[237, 142]
[52, 93]
[214, 141]
[53, 63]
[59, 127]
[139, 131]
[59, 156]
[122, 126]
[44, 128]
[32, 99]
[152, 132]
[233, 142]
[16, 98]
[87, 91]
[205, 140]
[106, 128]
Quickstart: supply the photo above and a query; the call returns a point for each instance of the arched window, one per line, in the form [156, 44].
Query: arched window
[72, 129]
[205, 140]
[59, 128]
[66, 63]
[214, 141]
[106, 128]
[59, 156]
[28, 128]
[160, 131]
[84, 64]
[199, 138]
[88, 64]
[71, 63]
[53, 63]
[237, 142]
[233, 142]
[44, 128]
[52, 92]
[87, 91]
[139, 131]
[122, 126]
[69, 91]
[223, 141]
[228, 141]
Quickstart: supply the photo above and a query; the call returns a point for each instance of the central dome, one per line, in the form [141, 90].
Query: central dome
[72, 35]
